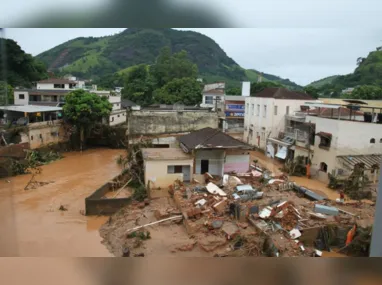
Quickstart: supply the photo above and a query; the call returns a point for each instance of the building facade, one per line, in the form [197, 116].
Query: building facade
[213, 96]
[265, 114]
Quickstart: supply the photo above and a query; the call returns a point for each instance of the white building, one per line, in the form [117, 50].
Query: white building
[52, 92]
[213, 95]
[339, 144]
[265, 114]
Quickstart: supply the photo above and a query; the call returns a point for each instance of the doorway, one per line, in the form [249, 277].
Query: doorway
[204, 166]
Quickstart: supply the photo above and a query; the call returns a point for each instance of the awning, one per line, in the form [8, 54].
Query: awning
[281, 142]
[325, 135]
[369, 160]
[282, 152]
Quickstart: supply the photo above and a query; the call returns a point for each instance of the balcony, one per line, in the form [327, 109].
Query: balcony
[296, 117]
[298, 135]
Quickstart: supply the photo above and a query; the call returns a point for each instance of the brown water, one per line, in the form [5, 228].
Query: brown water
[269, 163]
[316, 186]
[32, 225]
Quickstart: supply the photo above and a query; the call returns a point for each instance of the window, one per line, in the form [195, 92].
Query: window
[59, 86]
[323, 167]
[287, 110]
[325, 140]
[258, 110]
[252, 109]
[21, 96]
[31, 138]
[247, 109]
[275, 110]
[174, 169]
[112, 119]
[380, 141]
[372, 140]
[265, 111]
[209, 99]
[118, 116]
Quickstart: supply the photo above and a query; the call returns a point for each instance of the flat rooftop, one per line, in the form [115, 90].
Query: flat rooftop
[164, 154]
[30, 108]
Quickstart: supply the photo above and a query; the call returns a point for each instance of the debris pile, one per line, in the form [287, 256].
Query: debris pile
[258, 214]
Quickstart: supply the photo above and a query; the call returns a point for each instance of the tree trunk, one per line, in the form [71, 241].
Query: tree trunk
[82, 138]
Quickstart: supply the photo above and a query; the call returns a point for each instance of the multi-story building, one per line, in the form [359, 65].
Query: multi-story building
[52, 92]
[265, 115]
[342, 142]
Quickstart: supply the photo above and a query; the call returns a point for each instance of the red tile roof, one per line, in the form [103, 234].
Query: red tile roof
[327, 112]
[282, 93]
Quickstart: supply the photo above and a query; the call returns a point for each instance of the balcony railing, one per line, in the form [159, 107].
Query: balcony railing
[297, 117]
[297, 134]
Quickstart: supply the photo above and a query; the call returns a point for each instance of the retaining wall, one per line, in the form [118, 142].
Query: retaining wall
[95, 204]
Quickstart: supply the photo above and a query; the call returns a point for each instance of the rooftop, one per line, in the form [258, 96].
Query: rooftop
[282, 93]
[214, 91]
[57, 81]
[30, 108]
[234, 98]
[369, 160]
[211, 139]
[329, 112]
[164, 154]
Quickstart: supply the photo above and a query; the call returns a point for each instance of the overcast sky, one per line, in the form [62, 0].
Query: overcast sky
[302, 55]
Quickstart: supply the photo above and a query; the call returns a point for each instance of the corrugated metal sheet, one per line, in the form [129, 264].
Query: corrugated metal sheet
[368, 160]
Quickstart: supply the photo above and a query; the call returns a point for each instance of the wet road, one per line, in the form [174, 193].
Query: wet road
[32, 225]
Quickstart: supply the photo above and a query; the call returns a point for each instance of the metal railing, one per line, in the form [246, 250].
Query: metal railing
[297, 134]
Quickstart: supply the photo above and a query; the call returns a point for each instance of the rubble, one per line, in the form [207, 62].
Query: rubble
[252, 214]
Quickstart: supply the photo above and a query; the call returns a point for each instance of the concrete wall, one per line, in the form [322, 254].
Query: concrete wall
[215, 158]
[50, 86]
[347, 138]
[96, 205]
[161, 122]
[156, 172]
[117, 117]
[220, 103]
[21, 101]
[266, 124]
[45, 133]
[238, 163]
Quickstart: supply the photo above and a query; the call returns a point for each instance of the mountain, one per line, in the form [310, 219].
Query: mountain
[323, 81]
[21, 68]
[367, 72]
[98, 57]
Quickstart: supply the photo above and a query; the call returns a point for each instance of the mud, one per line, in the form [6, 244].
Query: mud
[271, 164]
[31, 220]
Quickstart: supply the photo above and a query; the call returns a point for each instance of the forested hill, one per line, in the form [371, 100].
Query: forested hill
[21, 69]
[368, 73]
[99, 57]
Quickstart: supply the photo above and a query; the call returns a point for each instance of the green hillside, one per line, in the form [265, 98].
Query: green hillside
[323, 81]
[99, 57]
[367, 73]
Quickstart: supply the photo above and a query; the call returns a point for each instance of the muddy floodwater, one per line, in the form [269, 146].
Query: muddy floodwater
[32, 225]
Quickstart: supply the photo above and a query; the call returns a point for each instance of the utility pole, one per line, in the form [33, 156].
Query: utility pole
[376, 245]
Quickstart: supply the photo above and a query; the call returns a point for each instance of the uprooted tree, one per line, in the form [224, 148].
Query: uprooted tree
[83, 109]
[133, 164]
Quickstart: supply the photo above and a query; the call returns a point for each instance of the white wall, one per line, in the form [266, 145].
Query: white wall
[117, 118]
[348, 138]
[266, 124]
[21, 101]
[215, 158]
[220, 103]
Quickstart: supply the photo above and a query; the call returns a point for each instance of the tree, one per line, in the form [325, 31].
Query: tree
[312, 91]
[360, 60]
[22, 68]
[168, 67]
[233, 91]
[84, 109]
[138, 85]
[366, 92]
[185, 90]
[6, 89]
[257, 87]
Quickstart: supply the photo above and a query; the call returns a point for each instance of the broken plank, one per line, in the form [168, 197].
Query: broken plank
[154, 223]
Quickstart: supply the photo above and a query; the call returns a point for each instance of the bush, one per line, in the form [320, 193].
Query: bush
[140, 193]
